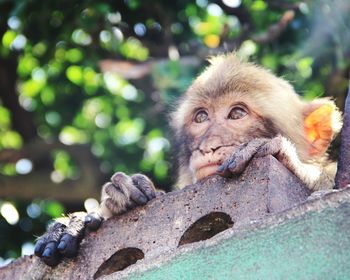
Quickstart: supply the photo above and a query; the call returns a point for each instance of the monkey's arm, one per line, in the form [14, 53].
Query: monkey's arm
[314, 176]
[121, 194]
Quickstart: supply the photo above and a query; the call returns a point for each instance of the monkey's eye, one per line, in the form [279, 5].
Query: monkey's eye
[200, 116]
[237, 113]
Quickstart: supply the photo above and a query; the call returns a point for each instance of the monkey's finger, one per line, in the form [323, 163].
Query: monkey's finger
[145, 185]
[131, 205]
[241, 158]
[122, 191]
[53, 234]
[68, 245]
[93, 221]
[39, 247]
[137, 195]
[239, 163]
[122, 181]
[229, 165]
[116, 196]
[113, 207]
[114, 199]
[223, 169]
[139, 188]
[51, 255]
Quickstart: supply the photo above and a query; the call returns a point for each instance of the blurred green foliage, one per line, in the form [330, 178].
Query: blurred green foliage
[57, 47]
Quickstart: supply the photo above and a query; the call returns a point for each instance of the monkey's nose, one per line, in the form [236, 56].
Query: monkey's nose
[215, 148]
[209, 150]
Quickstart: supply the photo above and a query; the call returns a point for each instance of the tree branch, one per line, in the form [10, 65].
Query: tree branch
[38, 183]
[274, 30]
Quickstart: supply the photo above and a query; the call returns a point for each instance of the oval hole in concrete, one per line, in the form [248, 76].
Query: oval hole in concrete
[119, 261]
[206, 227]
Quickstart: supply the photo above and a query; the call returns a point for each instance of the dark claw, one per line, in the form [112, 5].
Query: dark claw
[93, 221]
[68, 245]
[51, 256]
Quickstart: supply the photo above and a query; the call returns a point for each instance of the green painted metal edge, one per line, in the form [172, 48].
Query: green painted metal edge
[311, 241]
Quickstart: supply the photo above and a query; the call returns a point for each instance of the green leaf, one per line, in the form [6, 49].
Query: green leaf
[133, 48]
[161, 169]
[75, 74]
[10, 140]
[4, 118]
[53, 209]
[258, 5]
[304, 67]
[8, 38]
[128, 131]
[31, 88]
[47, 95]
[26, 64]
[74, 55]
[71, 135]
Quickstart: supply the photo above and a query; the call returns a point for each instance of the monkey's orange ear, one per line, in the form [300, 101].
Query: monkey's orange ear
[318, 127]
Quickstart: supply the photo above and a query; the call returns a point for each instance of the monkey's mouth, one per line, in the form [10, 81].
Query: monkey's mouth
[206, 165]
[206, 170]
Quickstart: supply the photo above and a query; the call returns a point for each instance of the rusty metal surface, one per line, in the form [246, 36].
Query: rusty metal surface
[265, 188]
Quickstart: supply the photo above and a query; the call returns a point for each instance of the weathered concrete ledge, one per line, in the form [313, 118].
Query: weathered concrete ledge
[309, 241]
[154, 232]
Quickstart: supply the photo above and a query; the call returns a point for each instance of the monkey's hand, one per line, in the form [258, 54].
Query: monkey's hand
[124, 193]
[62, 238]
[282, 149]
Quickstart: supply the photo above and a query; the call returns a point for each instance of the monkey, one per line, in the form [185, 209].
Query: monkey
[233, 112]
[265, 116]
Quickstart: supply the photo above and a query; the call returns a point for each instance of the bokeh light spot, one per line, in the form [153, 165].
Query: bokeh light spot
[90, 204]
[24, 166]
[10, 213]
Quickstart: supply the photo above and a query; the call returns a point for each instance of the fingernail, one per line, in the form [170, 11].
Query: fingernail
[62, 245]
[220, 168]
[47, 253]
[38, 248]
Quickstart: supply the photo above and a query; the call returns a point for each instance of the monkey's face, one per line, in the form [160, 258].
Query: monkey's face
[217, 129]
[233, 102]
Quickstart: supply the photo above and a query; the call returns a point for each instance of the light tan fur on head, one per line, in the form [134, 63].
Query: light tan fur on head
[273, 98]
